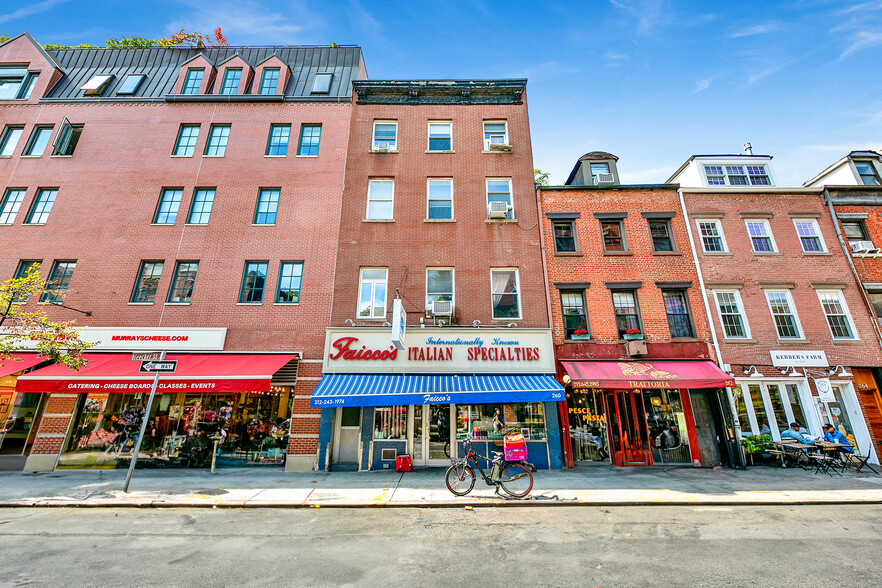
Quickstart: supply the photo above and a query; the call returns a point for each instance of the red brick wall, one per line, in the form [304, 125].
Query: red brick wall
[470, 245]
[791, 266]
[641, 264]
[869, 269]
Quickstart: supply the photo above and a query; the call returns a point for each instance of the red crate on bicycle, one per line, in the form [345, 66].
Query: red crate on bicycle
[514, 447]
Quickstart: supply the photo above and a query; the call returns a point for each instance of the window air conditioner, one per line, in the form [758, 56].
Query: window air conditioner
[498, 209]
[858, 246]
[382, 146]
[497, 143]
[604, 179]
[442, 308]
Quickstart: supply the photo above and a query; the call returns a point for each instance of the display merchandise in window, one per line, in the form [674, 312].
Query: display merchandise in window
[491, 422]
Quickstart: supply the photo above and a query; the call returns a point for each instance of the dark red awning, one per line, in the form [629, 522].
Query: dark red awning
[647, 374]
[196, 372]
[25, 361]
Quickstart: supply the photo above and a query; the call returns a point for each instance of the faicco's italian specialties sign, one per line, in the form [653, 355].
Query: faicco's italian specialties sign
[431, 350]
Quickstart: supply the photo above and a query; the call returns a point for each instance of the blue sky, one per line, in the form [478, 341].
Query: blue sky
[648, 80]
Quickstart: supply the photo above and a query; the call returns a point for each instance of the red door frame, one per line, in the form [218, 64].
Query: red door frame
[621, 448]
[690, 427]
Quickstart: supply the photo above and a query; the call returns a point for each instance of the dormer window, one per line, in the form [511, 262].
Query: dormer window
[868, 175]
[600, 174]
[269, 81]
[193, 81]
[96, 84]
[16, 83]
[232, 76]
[737, 175]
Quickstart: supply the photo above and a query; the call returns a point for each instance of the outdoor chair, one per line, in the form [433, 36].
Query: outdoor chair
[824, 463]
[858, 462]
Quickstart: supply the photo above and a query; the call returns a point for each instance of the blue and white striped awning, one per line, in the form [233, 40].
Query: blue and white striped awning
[397, 389]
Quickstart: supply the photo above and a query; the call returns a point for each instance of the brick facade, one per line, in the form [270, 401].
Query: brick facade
[108, 192]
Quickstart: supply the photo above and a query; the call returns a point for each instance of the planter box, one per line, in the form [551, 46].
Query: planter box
[634, 337]
[580, 337]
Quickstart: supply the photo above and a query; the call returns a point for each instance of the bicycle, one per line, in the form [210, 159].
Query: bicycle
[514, 477]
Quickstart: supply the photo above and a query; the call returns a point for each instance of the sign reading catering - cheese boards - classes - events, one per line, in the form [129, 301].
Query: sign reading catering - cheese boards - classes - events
[446, 350]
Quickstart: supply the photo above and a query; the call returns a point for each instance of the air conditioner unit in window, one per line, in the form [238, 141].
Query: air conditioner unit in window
[382, 146]
[604, 179]
[442, 308]
[498, 209]
[864, 249]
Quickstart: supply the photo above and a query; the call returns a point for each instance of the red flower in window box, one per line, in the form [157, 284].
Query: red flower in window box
[632, 332]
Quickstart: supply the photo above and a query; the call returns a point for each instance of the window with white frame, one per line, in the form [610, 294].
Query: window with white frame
[372, 293]
[439, 285]
[381, 194]
[760, 233]
[784, 314]
[440, 136]
[732, 316]
[711, 233]
[499, 190]
[505, 293]
[495, 133]
[440, 199]
[737, 175]
[838, 317]
[385, 135]
[809, 235]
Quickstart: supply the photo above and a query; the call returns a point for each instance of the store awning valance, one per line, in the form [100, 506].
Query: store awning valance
[21, 362]
[196, 372]
[647, 374]
[389, 390]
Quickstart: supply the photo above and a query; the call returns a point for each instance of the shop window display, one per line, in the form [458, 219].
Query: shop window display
[587, 425]
[490, 422]
[249, 429]
[390, 422]
[667, 426]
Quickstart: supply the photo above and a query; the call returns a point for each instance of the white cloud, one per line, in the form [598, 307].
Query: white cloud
[30, 10]
[649, 14]
[240, 21]
[862, 40]
[759, 29]
[702, 85]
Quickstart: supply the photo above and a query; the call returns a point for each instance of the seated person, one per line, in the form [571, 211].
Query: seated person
[794, 433]
[834, 436]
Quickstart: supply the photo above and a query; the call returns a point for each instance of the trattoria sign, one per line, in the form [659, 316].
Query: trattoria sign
[432, 350]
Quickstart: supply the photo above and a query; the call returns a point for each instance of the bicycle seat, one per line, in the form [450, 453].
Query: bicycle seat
[496, 454]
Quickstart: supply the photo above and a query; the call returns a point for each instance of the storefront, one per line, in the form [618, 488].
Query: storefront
[800, 387]
[19, 412]
[443, 387]
[646, 413]
[233, 408]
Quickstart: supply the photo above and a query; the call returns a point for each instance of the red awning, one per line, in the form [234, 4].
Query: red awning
[647, 374]
[196, 372]
[26, 360]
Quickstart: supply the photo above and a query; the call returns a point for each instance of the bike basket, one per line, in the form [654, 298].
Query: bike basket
[514, 447]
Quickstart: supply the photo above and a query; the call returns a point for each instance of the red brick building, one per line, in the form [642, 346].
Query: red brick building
[853, 190]
[789, 316]
[439, 211]
[170, 191]
[625, 298]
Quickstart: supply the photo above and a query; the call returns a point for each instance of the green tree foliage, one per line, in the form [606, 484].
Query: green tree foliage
[59, 342]
[541, 177]
[3, 38]
[180, 39]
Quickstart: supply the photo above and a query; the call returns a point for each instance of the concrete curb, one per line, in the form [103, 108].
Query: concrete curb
[514, 502]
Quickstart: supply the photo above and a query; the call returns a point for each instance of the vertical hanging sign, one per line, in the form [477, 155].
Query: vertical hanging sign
[399, 323]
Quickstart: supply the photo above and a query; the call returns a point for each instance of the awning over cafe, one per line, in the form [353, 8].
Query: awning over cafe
[389, 390]
[21, 362]
[195, 372]
[646, 374]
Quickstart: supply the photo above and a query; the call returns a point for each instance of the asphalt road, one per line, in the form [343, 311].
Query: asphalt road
[513, 547]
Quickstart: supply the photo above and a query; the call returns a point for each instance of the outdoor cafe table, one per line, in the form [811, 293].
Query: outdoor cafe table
[785, 446]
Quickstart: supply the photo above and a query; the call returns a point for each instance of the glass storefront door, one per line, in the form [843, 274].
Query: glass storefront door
[588, 434]
[438, 433]
[627, 428]
[767, 408]
[837, 414]
[19, 415]
[667, 427]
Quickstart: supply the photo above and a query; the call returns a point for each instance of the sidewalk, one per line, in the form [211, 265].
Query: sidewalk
[587, 485]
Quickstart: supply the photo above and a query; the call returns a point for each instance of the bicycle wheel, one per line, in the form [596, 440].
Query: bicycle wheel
[516, 480]
[460, 479]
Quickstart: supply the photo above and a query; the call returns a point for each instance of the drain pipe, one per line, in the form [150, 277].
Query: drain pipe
[847, 253]
[710, 324]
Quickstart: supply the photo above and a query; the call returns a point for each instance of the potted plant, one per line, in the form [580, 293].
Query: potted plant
[580, 335]
[757, 445]
[633, 335]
